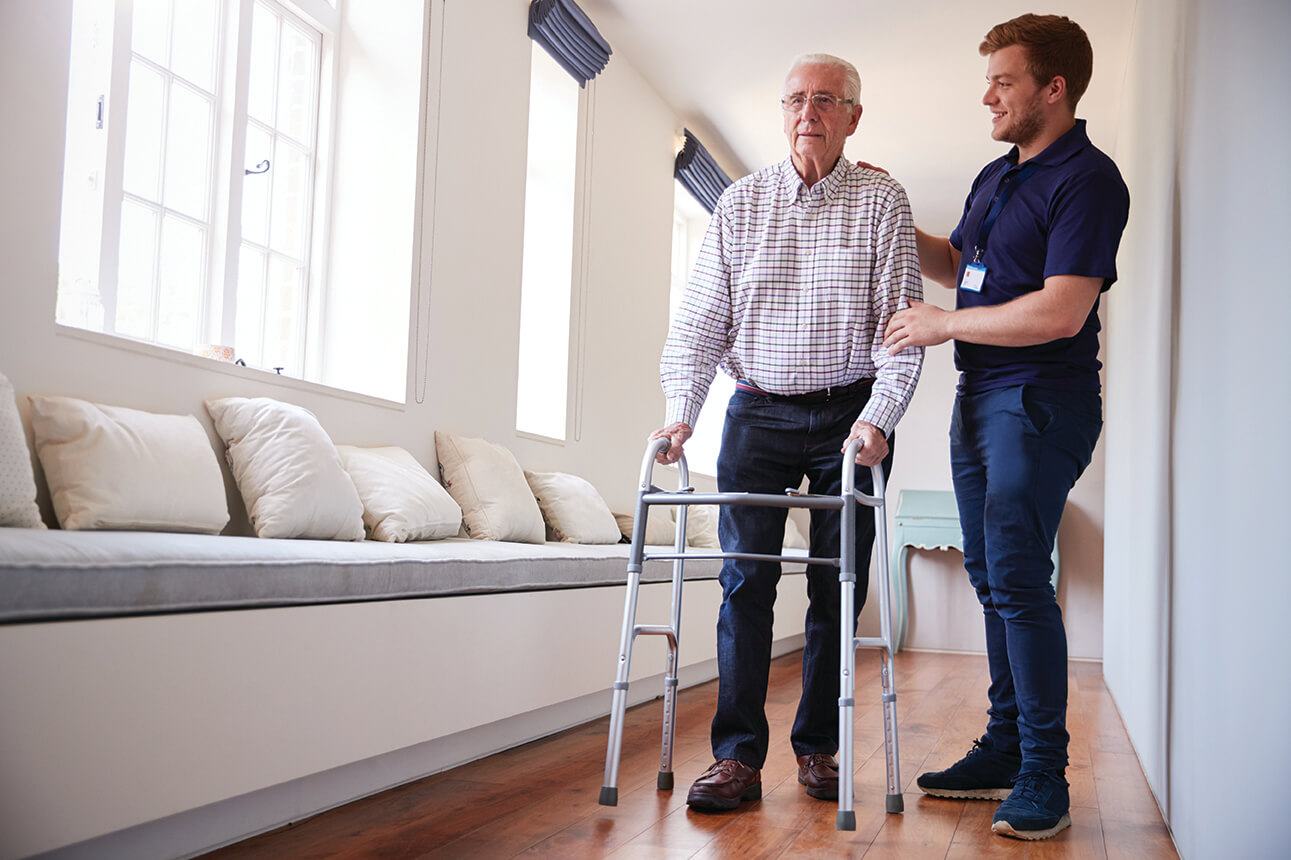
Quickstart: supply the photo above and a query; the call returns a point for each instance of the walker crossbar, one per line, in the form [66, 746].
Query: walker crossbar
[747, 556]
[649, 495]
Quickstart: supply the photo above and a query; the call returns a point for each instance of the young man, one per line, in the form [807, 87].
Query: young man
[803, 264]
[1033, 251]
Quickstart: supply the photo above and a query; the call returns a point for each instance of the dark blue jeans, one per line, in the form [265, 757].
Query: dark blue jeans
[1016, 453]
[768, 446]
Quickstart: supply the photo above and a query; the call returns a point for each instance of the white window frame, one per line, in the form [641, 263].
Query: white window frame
[216, 298]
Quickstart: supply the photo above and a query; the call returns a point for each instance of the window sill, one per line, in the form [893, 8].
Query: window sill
[178, 356]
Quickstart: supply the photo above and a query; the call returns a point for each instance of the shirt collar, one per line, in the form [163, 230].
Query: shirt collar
[827, 186]
[1072, 141]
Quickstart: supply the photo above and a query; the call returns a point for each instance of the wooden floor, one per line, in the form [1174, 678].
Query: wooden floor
[540, 800]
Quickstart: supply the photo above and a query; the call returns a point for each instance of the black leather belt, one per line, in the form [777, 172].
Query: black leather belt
[812, 398]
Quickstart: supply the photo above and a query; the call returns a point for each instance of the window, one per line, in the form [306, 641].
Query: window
[689, 223]
[546, 280]
[189, 208]
[277, 204]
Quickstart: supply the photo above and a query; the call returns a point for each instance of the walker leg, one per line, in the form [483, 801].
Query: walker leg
[895, 802]
[846, 819]
[664, 783]
[618, 707]
[665, 779]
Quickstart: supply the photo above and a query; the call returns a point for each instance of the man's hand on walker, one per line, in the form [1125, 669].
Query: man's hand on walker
[677, 433]
[874, 445]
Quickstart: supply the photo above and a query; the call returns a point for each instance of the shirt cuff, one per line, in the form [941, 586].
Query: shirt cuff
[684, 410]
[883, 412]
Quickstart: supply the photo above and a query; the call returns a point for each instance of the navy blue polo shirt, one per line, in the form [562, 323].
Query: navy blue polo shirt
[1065, 218]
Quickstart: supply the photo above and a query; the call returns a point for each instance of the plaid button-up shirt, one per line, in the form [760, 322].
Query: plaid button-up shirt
[793, 290]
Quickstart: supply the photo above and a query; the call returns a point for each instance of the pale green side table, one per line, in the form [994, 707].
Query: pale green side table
[927, 519]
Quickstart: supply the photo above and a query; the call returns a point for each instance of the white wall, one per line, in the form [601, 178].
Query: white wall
[1197, 645]
[373, 197]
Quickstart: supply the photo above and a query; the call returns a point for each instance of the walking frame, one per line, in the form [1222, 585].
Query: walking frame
[847, 501]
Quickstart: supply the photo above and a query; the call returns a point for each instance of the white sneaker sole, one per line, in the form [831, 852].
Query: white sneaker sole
[968, 793]
[1005, 829]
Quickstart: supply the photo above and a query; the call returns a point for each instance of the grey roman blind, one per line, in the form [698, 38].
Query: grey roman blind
[571, 38]
[698, 172]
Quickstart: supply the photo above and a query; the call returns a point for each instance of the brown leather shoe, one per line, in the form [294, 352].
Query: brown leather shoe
[724, 785]
[819, 772]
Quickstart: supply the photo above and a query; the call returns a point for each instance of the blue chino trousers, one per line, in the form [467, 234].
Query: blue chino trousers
[769, 445]
[1015, 454]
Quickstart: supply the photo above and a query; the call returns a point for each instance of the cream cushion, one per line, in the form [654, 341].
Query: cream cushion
[401, 500]
[17, 481]
[572, 509]
[489, 485]
[109, 467]
[287, 470]
[701, 525]
[660, 529]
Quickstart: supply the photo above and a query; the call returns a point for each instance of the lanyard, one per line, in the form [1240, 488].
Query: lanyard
[1003, 191]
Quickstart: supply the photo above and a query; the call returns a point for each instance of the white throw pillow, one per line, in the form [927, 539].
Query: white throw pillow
[287, 469]
[573, 510]
[109, 467]
[489, 484]
[17, 480]
[401, 500]
[701, 525]
[660, 529]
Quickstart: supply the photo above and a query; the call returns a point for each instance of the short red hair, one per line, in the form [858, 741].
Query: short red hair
[1055, 45]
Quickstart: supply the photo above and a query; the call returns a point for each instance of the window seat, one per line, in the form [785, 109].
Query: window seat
[50, 575]
[168, 693]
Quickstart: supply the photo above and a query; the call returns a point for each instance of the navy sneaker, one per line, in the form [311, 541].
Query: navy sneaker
[1038, 807]
[984, 774]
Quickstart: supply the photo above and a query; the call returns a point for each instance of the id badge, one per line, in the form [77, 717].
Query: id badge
[974, 277]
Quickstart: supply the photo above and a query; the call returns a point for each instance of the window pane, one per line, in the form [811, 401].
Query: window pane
[299, 70]
[196, 37]
[291, 183]
[250, 321]
[188, 161]
[135, 270]
[148, 29]
[282, 313]
[255, 186]
[183, 260]
[144, 131]
[548, 249]
[264, 49]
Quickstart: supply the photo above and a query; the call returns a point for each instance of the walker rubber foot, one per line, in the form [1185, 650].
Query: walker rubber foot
[609, 796]
[846, 820]
[896, 803]
[665, 780]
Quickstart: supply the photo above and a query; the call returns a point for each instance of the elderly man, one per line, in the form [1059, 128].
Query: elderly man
[803, 264]
[1035, 248]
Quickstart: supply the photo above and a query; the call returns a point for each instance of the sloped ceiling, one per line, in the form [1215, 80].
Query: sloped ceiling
[721, 65]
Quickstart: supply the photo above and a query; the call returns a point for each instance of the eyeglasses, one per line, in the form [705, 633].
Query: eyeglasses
[822, 102]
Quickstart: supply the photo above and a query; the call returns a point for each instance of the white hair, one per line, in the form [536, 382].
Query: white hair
[852, 87]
